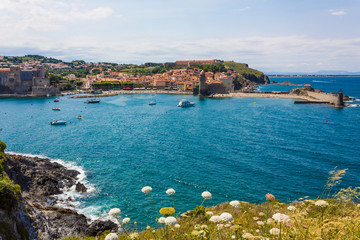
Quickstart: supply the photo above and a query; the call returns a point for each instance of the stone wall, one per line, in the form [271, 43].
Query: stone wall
[44, 91]
[336, 99]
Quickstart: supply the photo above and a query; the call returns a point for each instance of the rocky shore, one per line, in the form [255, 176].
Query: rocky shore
[37, 211]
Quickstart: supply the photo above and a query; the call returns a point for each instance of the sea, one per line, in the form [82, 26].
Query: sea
[235, 148]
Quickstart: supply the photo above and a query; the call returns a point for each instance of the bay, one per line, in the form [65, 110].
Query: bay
[236, 148]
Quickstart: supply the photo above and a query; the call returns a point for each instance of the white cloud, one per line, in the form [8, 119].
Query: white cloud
[45, 15]
[337, 13]
[282, 53]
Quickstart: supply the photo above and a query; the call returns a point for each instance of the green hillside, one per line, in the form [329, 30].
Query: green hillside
[247, 74]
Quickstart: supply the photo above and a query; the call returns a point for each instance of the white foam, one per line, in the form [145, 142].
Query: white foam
[353, 105]
[321, 81]
[68, 193]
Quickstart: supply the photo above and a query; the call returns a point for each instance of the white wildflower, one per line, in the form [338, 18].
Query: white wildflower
[161, 220]
[260, 223]
[227, 217]
[291, 208]
[206, 195]
[111, 236]
[146, 189]
[247, 235]
[321, 203]
[114, 212]
[133, 235]
[177, 225]
[233, 237]
[215, 219]
[235, 203]
[170, 191]
[209, 213]
[126, 220]
[275, 231]
[279, 217]
[170, 221]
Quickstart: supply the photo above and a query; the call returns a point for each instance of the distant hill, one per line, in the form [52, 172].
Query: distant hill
[321, 72]
[28, 58]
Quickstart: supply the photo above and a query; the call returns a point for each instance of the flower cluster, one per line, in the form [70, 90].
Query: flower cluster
[206, 195]
[170, 221]
[111, 236]
[321, 203]
[167, 211]
[114, 212]
[281, 218]
[235, 203]
[146, 189]
[170, 191]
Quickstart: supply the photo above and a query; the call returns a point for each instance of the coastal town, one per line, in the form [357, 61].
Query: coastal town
[38, 76]
[49, 78]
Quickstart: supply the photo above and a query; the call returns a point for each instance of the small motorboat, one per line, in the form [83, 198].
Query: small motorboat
[56, 100]
[93, 101]
[56, 109]
[60, 122]
[185, 103]
[152, 103]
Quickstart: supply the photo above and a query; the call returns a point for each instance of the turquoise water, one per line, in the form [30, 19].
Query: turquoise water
[239, 148]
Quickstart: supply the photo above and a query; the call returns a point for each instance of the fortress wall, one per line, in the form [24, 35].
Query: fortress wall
[335, 99]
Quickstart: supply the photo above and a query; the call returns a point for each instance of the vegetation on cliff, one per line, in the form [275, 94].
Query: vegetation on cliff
[246, 75]
[9, 192]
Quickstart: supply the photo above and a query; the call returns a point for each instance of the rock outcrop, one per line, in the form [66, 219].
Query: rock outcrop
[37, 212]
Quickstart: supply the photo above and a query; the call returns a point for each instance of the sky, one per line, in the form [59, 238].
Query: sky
[269, 35]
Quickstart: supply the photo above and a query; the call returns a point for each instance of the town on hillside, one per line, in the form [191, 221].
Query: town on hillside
[41, 76]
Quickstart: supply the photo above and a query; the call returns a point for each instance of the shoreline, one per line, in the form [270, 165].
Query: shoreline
[48, 187]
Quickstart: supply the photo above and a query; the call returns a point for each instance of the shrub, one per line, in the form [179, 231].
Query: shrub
[8, 195]
[2, 146]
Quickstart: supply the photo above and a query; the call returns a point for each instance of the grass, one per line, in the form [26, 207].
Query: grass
[335, 217]
[339, 220]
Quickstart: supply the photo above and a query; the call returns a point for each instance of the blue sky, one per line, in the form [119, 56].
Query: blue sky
[270, 35]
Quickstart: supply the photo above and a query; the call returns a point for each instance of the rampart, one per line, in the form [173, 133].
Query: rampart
[332, 98]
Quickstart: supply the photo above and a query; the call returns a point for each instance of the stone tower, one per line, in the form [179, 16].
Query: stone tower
[339, 101]
[203, 87]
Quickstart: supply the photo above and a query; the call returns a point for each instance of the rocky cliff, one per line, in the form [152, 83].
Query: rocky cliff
[36, 214]
[248, 78]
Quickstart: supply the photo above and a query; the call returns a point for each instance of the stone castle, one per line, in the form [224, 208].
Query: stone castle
[32, 82]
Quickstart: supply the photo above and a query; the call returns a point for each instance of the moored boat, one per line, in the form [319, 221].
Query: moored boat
[185, 103]
[60, 122]
[56, 109]
[152, 103]
[93, 101]
[56, 100]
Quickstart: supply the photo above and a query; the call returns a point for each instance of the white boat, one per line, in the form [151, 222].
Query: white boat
[185, 103]
[56, 109]
[152, 103]
[56, 122]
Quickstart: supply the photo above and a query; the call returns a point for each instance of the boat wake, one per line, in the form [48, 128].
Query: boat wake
[321, 81]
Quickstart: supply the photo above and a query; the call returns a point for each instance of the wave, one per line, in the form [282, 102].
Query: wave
[353, 105]
[321, 81]
[62, 200]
